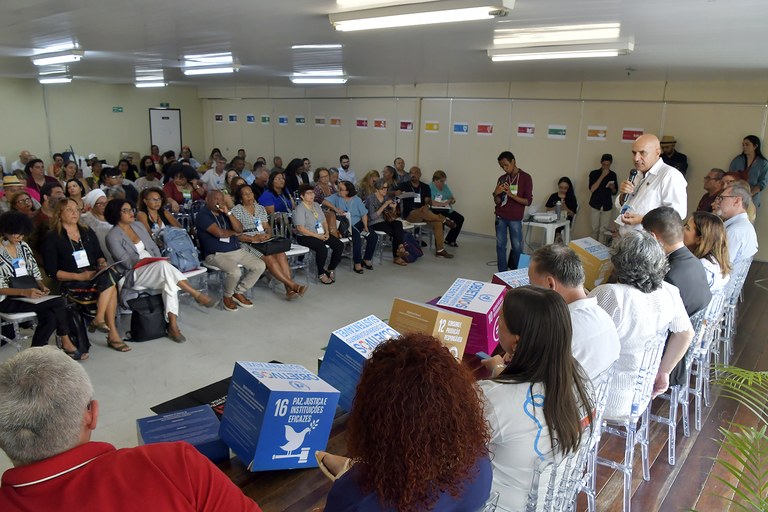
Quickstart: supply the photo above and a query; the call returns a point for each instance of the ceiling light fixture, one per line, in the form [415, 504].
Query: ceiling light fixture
[560, 34]
[317, 79]
[316, 47]
[210, 70]
[145, 84]
[45, 59]
[55, 79]
[583, 51]
[419, 14]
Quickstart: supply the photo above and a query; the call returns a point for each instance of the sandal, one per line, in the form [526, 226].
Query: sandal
[320, 455]
[291, 294]
[401, 251]
[367, 266]
[400, 261]
[358, 270]
[118, 345]
[325, 279]
[102, 327]
[76, 355]
[301, 290]
[332, 275]
[208, 304]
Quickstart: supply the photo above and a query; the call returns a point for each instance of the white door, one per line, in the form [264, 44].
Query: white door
[165, 128]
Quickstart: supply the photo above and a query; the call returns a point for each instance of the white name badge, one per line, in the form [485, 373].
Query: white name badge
[417, 199]
[439, 198]
[259, 227]
[186, 194]
[224, 239]
[20, 267]
[319, 228]
[81, 258]
[513, 190]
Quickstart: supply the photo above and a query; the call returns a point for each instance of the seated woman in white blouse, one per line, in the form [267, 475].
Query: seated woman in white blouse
[641, 305]
[129, 243]
[538, 403]
[704, 235]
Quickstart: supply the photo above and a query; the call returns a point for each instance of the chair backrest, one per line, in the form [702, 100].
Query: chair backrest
[280, 222]
[738, 277]
[600, 384]
[646, 375]
[707, 327]
[491, 503]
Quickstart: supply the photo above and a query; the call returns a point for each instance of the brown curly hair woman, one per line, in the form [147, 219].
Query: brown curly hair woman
[416, 434]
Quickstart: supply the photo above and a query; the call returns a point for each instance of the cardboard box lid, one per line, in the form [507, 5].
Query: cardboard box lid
[469, 295]
[514, 278]
[286, 377]
[591, 246]
[365, 334]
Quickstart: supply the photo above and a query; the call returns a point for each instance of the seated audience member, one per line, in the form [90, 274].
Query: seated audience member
[729, 179]
[334, 176]
[704, 235]
[12, 185]
[535, 333]
[732, 206]
[72, 256]
[345, 173]
[642, 305]
[365, 186]
[401, 176]
[566, 196]
[94, 180]
[442, 203]
[295, 175]
[153, 214]
[312, 232]
[324, 189]
[247, 165]
[307, 167]
[18, 165]
[390, 176]
[36, 177]
[347, 203]
[113, 177]
[602, 187]
[276, 197]
[713, 185]
[68, 172]
[166, 162]
[217, 230]
[129, 243]
[18, 262]
[233, 183]
[145, 162]
[127, 169]
[595, 344]
[58, 163]
[93, 217]
[416, 209]
[50, 195]
[179, 187]
[75, 190]
[277, 163]
[215, 179]
[436, 438]
[377, 204]
[256, 229]
[150, 179]
[47, 415]
[260, 179]
[685, 270]
[186, 154]
[210, 162]
[23, 202]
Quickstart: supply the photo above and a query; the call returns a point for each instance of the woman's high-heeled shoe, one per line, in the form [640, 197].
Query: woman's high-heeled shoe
[102, 327]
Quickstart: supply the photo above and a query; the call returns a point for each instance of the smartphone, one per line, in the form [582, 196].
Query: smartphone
[218, 206]
[482, 355]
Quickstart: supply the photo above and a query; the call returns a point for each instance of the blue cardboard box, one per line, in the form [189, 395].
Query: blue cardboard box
[198, 426]
[277, 415]
[348, 348]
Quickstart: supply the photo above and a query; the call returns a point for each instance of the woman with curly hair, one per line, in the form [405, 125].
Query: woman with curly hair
[641, 305]
[539, 401]
[416, 434]
[704, 234]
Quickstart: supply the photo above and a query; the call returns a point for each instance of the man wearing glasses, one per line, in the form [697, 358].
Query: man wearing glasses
[732, 206]
[713, 184]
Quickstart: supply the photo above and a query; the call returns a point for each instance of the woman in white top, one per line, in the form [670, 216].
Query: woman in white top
[704, 234]
[537, 403]
[129, 243]
[93, 217]
[641, 305]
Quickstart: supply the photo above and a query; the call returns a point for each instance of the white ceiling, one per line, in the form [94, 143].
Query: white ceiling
[674, 40]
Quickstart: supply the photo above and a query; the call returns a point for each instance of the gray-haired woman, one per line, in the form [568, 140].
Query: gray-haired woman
[377, 204]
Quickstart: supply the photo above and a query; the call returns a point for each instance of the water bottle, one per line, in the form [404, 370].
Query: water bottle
[558, 209]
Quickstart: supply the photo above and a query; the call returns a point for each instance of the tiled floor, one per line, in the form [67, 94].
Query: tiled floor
[128, 384]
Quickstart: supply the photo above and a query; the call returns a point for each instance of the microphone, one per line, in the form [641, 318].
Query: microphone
[632, 176]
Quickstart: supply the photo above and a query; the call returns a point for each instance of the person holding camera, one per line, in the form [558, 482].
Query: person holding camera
[513, 192]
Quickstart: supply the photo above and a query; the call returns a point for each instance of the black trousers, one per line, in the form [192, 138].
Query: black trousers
[321, 251]
[51, 316]
[393, 229]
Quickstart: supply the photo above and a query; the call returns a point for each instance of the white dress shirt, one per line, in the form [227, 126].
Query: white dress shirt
[714, 273]
[347, 175]
[595, 344]
[662, 185]
[742, 239]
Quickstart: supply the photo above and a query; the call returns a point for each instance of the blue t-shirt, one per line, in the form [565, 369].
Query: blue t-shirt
[346, 495]
[210, 244]
[355, 207]
[281, 203]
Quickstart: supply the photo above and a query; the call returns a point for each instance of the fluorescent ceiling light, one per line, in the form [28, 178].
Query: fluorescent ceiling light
[208, 59]
[58, 47]
[149, 78]
[320, 72]
[306, 80]
[418, 14]
[142, 85]
[55, 80]
[316, 47]
[210, 70]
[45, 59]
[538, 36]
[365, 4]
[583, 51]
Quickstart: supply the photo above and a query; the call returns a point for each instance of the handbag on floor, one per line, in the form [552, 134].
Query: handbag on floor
[147, 318]
[413, 248]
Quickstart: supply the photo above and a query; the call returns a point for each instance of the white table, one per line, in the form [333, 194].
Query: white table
[550, 228]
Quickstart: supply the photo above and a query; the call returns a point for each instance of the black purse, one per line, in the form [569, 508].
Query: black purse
[147, 318]
[23, 282]
[274, 245]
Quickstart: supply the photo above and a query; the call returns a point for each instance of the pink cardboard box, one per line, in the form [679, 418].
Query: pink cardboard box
[512, 278]
[481, 302]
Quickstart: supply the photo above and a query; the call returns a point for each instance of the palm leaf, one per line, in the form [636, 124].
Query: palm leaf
[748, 448]
[749, 388]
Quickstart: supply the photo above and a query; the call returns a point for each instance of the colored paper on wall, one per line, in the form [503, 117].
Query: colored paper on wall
[431, 126]
[232, 118]
[460, 128]
[526, 129]
[379, 124]
[335, 121]
[485, 128]
[406, 126]
[218, 118]
[250, 118]
[282, 120]
[265, 119]
[301, 120]
[630, 134]
[597, 132]
[361, 123]
[319, 121]
[556, 131]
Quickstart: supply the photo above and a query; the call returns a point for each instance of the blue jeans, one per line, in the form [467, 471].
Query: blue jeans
[515, 229]
[357, 242]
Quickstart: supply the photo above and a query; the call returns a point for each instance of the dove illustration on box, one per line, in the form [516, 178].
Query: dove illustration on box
[348, 348]
[277, 415]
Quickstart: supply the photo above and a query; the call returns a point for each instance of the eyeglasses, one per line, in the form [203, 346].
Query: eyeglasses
[720, 198]
[127, 210]
[24, 201]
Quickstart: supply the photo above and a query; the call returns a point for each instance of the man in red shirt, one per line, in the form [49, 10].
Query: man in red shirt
[47, 414]
[513, 192]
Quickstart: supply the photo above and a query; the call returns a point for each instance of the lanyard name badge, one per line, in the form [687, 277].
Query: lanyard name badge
[81, 258]
[259, 226]
[19, 267]
[187, 194]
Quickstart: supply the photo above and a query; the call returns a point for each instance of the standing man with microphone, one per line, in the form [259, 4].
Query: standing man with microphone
[652, 183]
